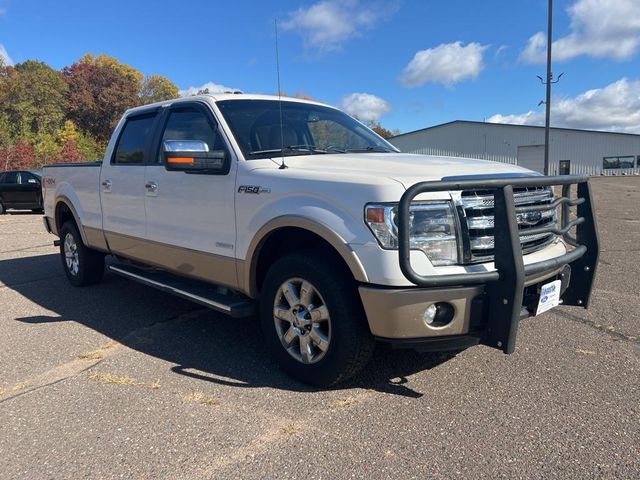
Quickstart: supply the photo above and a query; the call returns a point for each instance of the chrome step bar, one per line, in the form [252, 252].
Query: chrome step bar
[234, 305]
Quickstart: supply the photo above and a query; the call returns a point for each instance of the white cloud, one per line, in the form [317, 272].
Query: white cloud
[4, 55]
[212, 87]
[599, 28]
[327, 24]
[615, 107]
[447, 64]
[365, 106]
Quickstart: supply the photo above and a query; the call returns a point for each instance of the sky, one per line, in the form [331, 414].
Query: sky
[407, 64]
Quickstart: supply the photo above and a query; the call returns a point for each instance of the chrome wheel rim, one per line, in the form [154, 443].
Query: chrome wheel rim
[302, 320]
[71, 254]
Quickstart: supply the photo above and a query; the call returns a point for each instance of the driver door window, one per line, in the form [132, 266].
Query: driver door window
[191, 124]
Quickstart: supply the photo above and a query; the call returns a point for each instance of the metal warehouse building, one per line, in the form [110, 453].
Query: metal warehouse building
[570, 151]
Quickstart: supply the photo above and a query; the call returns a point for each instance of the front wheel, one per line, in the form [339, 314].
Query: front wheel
[313, 320]
[82, 265]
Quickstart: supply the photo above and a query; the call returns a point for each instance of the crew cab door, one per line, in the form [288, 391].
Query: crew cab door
[29, 191]
[122, 186]
[190, 216]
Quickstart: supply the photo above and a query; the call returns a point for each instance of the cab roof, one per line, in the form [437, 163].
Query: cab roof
[218, 97]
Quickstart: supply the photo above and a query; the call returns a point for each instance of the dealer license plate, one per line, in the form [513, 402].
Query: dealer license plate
[549, 296]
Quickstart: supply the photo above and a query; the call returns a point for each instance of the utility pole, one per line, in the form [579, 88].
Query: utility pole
[547, 117]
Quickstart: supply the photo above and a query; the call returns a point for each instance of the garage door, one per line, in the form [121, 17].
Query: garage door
[531, 157]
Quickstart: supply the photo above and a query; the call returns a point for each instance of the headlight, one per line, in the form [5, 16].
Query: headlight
[432, 229]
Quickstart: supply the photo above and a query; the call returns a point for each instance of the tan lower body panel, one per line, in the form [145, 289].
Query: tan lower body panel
[95, 239]
[182, 261]
[398, 313]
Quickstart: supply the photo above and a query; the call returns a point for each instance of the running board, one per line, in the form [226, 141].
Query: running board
[199, 292]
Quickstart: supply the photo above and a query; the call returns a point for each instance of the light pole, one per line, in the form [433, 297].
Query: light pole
[549, 81]
[547, 117]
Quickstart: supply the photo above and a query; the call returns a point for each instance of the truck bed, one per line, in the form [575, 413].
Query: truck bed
[79, 183]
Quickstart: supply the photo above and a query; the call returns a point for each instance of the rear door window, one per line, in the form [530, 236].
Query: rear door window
[133, 141]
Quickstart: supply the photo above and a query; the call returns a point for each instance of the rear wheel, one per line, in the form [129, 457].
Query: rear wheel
[312, 319]
[82, 265]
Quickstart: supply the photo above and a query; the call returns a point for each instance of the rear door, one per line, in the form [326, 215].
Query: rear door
[190, 217]
[122, 186]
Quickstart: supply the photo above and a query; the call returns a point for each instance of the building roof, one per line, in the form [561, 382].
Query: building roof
[512, 125]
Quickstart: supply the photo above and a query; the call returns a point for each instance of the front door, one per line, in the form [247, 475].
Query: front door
[190, 217]
[29, 192]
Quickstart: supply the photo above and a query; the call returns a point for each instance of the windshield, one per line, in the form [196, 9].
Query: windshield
[306, 129]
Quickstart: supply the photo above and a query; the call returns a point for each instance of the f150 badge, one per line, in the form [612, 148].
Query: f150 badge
[255, 189]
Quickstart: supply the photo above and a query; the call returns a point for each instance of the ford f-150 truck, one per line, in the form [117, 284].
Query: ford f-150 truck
[295, 211]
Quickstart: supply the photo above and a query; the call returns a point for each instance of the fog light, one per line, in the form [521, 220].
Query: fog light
[430, 314]
[439, 314]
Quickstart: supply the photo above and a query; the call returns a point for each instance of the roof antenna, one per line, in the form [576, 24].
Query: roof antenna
[282, 165]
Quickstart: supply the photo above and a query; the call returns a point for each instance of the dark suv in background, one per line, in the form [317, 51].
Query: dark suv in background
[20, 190]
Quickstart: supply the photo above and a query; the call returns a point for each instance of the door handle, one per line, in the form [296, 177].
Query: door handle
[152, 188]
[106, 184]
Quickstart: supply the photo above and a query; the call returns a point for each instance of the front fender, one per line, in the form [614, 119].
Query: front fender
[247, 275]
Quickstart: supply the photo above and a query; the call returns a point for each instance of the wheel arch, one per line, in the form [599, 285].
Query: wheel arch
[301, 232]
[64, 211]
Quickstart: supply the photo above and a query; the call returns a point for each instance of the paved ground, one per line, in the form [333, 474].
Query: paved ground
[120, 381]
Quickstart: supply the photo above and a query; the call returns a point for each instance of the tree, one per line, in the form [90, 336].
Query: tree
[156, 88]
[86, 145]
[100, 90]
[20, 156]
[380, 130]
[32, 100]
[69, 153]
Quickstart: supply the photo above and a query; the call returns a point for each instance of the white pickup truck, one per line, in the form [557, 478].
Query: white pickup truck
[294, 210]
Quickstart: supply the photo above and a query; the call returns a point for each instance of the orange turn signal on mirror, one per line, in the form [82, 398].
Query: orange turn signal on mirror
[179, 160]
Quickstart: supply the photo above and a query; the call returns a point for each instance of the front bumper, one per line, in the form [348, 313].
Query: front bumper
[397, 315]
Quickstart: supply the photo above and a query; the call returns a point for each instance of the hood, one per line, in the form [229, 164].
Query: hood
[402, 167]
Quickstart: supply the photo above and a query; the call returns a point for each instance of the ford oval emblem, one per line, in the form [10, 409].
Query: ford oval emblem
[530, 218]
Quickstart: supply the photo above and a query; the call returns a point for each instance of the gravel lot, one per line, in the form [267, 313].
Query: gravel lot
[121, 381]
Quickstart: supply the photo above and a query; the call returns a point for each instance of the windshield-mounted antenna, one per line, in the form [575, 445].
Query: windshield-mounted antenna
[282, 165]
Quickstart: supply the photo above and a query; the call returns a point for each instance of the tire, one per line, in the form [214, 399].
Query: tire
[2, 209]
[82, 265]
[324, 350]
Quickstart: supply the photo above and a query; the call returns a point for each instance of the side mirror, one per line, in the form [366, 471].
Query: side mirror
[193, 156]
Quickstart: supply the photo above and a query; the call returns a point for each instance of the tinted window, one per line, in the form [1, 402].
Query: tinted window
[133, 139]
[191, 124]
[27, 178]
[11, 177]
[1, 177]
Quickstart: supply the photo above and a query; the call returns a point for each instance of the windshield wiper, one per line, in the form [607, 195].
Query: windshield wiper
[290, 148]
[369, 149]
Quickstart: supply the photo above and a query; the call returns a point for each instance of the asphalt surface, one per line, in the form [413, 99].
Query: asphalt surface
[121, 381]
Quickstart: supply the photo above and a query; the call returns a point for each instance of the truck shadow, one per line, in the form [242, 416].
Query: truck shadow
[202, 344]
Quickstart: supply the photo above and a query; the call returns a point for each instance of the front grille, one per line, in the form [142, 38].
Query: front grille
[477, 213]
